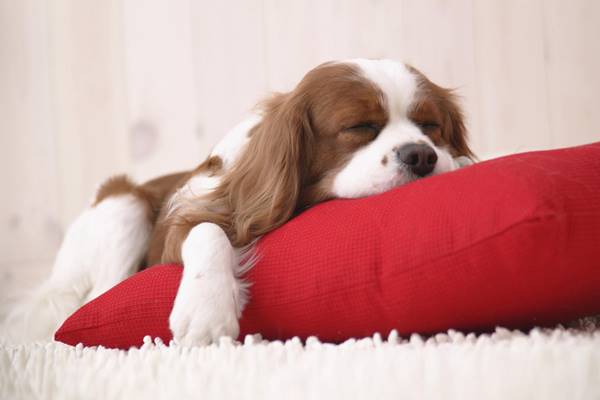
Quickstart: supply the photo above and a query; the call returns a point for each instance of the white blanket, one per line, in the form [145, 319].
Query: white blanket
[545, 364]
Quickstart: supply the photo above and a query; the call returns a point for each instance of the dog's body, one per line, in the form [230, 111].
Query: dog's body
[349, 129]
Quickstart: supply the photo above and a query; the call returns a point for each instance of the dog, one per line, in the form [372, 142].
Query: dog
[349, 129]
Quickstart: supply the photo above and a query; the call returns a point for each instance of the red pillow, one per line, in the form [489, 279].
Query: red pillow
[513, 241]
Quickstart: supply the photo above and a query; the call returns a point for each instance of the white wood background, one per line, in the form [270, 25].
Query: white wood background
[89, 88]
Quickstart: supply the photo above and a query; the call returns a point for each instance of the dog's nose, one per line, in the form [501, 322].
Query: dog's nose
[419, 158]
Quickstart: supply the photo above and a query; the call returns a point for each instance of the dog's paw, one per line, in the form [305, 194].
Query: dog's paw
[204, 310]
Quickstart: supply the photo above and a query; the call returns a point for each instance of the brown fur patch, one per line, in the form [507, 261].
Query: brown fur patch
[344, 107]
[120, 185]
[438, 113]
[211, 166]
[114, 186]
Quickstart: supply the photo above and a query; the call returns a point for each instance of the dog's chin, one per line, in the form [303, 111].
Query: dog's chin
[410, 177]
[404, 176]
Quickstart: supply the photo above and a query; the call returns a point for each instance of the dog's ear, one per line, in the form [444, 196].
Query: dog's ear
[455, 131]
[264, 185]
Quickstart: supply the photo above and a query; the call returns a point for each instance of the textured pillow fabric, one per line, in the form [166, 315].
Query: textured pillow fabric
[513, 241]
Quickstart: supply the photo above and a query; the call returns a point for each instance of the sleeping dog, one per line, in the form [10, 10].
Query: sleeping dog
[349, 129]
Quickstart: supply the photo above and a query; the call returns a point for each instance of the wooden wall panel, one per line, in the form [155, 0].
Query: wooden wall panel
[162, 106]
[572, 59]
[30, 227]
[85, 41]
[510, 72]
[229, 65]
[298, 38]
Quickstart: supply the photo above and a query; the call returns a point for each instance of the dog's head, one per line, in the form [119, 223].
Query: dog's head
[349, 129]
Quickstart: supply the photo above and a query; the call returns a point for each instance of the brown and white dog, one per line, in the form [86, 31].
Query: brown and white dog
[349, 129]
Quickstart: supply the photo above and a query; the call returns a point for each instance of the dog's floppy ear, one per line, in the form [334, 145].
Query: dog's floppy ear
[455, 131]
[264, 184]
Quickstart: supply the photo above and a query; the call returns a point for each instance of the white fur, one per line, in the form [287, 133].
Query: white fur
[365, 174]
[207, 305]
[103, 246]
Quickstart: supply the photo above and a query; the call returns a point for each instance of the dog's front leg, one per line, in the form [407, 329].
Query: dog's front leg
[207, 303]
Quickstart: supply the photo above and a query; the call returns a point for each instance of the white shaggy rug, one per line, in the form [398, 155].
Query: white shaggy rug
[544, 364]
